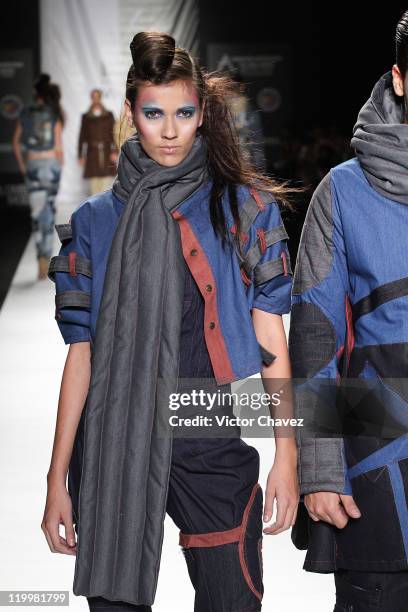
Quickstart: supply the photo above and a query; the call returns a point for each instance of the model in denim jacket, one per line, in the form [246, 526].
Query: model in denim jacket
[348, 335]
[240, 291]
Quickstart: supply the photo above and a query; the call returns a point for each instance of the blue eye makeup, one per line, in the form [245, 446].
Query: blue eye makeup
[187, 111]
[152, 112]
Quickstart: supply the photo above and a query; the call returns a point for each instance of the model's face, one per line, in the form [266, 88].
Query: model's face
[166, 118]
[96, 97]
[400, 84]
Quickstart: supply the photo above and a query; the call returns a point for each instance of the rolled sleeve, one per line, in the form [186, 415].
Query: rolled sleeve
[268, 262]
[71, 270]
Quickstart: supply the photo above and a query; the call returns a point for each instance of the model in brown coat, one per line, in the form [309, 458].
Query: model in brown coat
[96, 145]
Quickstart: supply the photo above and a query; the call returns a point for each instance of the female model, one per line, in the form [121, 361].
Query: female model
[155, 284]
[39, 129]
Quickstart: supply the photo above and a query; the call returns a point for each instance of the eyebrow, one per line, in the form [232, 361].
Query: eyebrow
[157, 108]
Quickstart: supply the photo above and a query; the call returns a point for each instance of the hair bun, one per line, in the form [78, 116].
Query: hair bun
[152, 54]
[44, 79]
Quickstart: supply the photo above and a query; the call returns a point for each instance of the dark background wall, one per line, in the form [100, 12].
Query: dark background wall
[19, 29]
[338, 53]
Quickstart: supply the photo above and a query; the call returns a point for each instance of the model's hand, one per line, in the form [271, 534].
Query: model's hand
[333, 508]
[81, 161]
[58, 511]
[282, 485]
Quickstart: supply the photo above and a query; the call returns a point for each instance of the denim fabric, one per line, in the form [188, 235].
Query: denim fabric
[233, 347]
[358, 591]
[348, 323]
[42, 181]
[211, 481]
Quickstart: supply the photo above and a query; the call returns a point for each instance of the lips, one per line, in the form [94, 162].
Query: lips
[169, 150]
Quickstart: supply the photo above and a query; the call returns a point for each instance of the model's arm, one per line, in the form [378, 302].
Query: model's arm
[58, 141]
[267, 265]
[73, 393]
[282, 483]
[17, 148]
[73, 285]
[317, 339]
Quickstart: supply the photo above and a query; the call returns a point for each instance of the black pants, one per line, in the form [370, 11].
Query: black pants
[359, 591]
[215, 500]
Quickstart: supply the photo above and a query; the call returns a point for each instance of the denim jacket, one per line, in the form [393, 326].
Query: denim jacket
[230, 284]
[348, 328]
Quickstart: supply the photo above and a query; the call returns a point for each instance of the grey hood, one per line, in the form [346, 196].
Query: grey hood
[380, 140]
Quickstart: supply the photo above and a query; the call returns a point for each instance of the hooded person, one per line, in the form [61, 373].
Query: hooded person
[348, 344]
[176, 277]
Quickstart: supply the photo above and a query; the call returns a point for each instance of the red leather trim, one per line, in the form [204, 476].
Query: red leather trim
[215, 538]
[202, 273]
[285, 266]
[340, 351]
[260, 556]
[350, 329]
[262, 240]
[245, 277]
[241, 543]
[71, 263]
[254, 193]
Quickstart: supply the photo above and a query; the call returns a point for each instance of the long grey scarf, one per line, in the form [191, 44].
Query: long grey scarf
[126, 462]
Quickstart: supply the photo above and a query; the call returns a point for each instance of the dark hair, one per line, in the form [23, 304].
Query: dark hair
[157, 59]
[401, 44]
[51, 94]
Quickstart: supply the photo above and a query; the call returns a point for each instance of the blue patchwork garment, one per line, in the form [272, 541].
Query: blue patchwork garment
[348, 344]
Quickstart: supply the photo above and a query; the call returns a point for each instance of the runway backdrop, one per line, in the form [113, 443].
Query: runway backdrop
[85, 44]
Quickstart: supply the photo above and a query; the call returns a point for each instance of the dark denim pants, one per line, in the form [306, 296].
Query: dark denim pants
[215, 500]
[360, 591]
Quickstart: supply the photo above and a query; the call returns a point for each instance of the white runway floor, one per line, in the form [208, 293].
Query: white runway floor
[32, 355]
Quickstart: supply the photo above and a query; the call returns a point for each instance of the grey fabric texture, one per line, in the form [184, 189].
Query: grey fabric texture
[60, 263]
[248, 213]
[64, 231]
[320, 464]
[77, 299]
[255, 253]
[135, 361]
[380, 139]
[315, 255]
[268, 270]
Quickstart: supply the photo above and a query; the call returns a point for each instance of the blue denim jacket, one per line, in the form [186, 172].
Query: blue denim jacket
[231, 286]
[349, 328]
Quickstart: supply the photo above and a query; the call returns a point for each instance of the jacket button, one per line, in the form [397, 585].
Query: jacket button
[208, 287]
[193, 252]
[211, 325]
